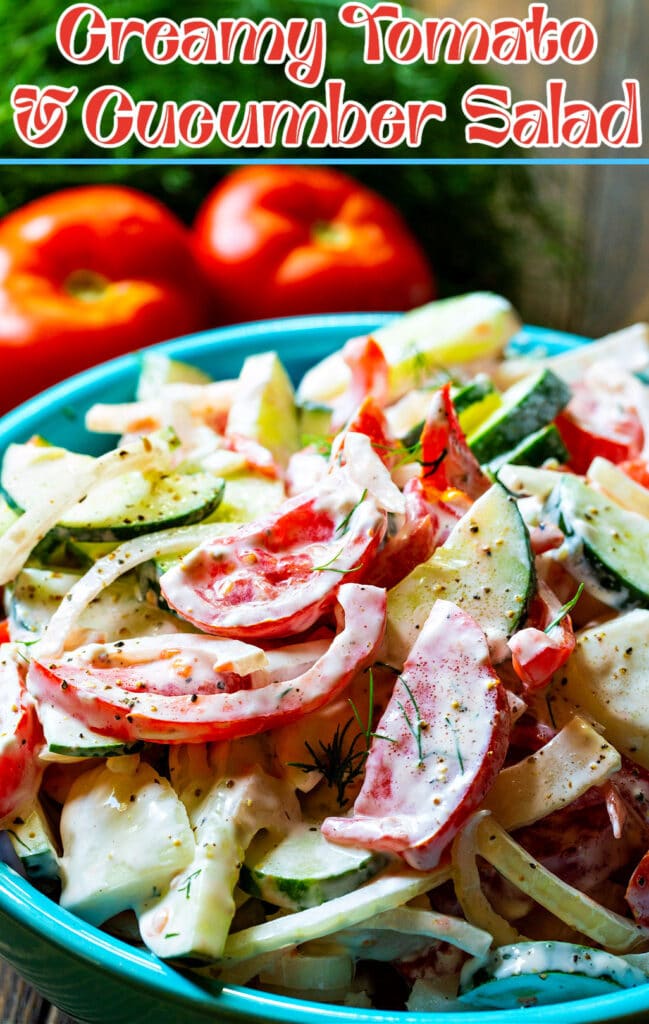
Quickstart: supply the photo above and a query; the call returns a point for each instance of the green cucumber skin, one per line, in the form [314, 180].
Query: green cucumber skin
[466, 396]
[112, 749]
[590, 560]
[302, 894]
[545, 396]
[536, 449]
[129, 530]
[463, 398]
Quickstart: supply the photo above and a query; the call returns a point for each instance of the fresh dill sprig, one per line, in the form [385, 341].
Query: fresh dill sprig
[340, 762]
[565, 609]
[366, 730]
[419, 725]
[405, 452]
[187, 887]
[343, 525]
[329, 567]
[458, 752]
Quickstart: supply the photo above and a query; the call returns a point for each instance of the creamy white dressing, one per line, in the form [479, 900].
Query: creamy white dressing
[367, 470]
[125, 835]
[193, 916]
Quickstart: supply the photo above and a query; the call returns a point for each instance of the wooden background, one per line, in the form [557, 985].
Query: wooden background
[604, 209]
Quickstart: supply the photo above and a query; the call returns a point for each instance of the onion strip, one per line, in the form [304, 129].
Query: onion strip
[109, 568]
[468, 887]
[553, 777]
[610, 930]
[386, 892]
[414, 921]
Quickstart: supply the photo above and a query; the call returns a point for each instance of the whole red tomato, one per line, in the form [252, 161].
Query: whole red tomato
[86, 274]
[276, 241]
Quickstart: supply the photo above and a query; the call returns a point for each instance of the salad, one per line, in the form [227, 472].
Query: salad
[341, 692]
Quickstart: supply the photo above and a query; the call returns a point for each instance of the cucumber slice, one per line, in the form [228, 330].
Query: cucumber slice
[486, 567]
[264, 406]
[158, 370]
[35, 846]
[533, 450]
[118, 613]
[125, 835]
[139, 503]
[304, 869]
[607, 676]
[247, 497]
[620, 487]
[67, 739]
[447, 332]
[539, 973]
[84, 554]
[314, 422]
[526, 407]
[475, 401]
[143, 503]
[606, 545]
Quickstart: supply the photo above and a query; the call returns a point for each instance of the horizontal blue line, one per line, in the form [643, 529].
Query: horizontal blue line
[337, 161]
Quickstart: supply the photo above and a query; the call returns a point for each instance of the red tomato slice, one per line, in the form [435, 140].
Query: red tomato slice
[415, 540]
[278, 576]
[368, 418]
[537, 655]
[599, 421]
[438, 748]
[134, 702]
[447, 460]
[20, 737]
[369, 378]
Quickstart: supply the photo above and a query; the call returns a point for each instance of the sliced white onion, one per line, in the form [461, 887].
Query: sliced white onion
[106, 570]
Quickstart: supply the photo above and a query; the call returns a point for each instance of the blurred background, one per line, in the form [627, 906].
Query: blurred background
[569, 245]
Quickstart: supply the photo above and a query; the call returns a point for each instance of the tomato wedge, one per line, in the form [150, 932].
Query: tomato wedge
[601, 419]
[537, 655]
[413, 543]
[438, 747]
[135, 702]
[447, 460]
[369, 378]
[278, 576]
[369, 419]
[20, 737]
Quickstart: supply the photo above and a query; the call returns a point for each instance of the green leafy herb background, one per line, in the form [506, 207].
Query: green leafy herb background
[473, 221]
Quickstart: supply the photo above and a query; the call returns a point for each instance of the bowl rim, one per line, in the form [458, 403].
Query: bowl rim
[139, 968]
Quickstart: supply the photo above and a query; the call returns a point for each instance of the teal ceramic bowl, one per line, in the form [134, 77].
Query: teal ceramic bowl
[104, 981]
